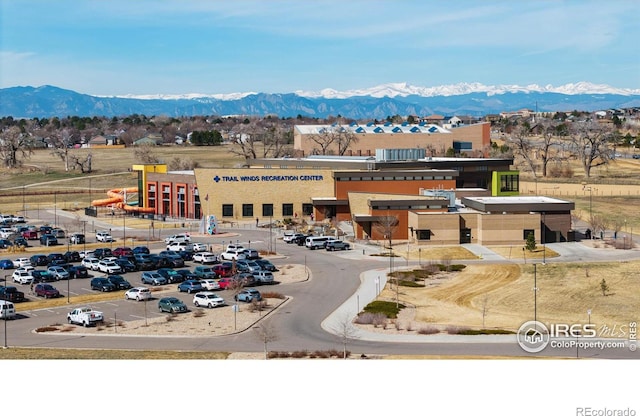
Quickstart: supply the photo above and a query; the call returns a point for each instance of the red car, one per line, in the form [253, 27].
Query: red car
[122, 251]
[30, 234]
[222, 270]
[46, 290]
[226, 283]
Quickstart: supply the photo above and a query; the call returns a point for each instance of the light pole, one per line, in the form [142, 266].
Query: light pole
[84, 235]
[55, 209]
[544, 240]
[419, 257]
[588, 188]
[6, 314]
[535, 292]
[124, 229]
[589, 315]
[68, 278]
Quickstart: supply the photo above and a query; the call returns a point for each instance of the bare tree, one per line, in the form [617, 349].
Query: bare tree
[522, 145]
[590, 142]
[144, 154]
[14, 145]
[267, 333]
[346, 332]
[62, 142]
[484, 307]
[335, 136]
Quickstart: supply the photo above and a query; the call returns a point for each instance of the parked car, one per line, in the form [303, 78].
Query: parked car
[222, 270]
[172, 305]
[58, 233]
[187, 255]
[188, 274]
[4, 243]
[208, 299]
[126, 265]
[171, 275]
[6, 264]
[122, 251]
[45, 229]
[72, 256]
[78, 272]
[248, 266]
[289, 238]
[144, 262]
[77, 238]
[46, 290]
[42, 276]
[233, 254]
[267, 265]
[103, 236]
[178, 246]
[11, 293]
[108, 267]
[53, 257]
[102, 284]
[263, 277]
[21, 261]
[248, 295]
[199, 247]
[138, 293]
[102, 252]
[7, 310]
[173, 258]
[119, 282]
[140, 250]
[20, 242]
[48, 240]
[153, 278]
[184, 237]
[209, 284]
[204, 272]
[190, 286]
[30, 234]
[21, 276]
[251, 254]
[58, 272]
[39, 260]
[205, 257]
[91, 263]
[87, 253]
[337, 245]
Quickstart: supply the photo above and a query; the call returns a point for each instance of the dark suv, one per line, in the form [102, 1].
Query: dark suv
[103, 284]
[48, 240]
[46, 290]
[119, 282]
[11, 293]
[102, 253]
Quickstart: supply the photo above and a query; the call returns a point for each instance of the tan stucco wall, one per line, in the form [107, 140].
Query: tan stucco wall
[302, 185]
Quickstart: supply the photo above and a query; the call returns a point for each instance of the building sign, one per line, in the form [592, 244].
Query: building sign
[268, 178]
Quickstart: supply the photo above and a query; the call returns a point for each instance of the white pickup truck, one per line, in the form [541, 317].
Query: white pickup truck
[85, 317]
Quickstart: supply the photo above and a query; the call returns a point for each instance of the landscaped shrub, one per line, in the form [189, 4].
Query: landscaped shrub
[428, 330]
[365, 318]
[299, 354]
[456, 330]
[380, 319]
[274, 295]
[390, 309]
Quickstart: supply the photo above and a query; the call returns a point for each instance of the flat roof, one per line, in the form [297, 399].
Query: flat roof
[517, 204]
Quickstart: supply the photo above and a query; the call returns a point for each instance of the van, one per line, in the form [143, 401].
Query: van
[7, 310]
[313, 243]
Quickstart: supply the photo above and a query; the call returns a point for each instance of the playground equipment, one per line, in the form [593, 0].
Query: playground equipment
[118, 199]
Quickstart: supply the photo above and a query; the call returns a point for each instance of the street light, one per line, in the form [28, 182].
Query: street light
[588, 188]
[589, 314]
[6, 313]
[68, 277]
[544, 240]
[535, 292]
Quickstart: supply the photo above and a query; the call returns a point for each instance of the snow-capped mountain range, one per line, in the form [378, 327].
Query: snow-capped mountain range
[380, 102]
[402, 89]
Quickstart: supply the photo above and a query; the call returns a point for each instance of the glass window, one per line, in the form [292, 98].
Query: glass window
[227, 210]
[526, 233]
[267, 210]
[307, 209]
[247, 210]
[287, 209]
[424, 234]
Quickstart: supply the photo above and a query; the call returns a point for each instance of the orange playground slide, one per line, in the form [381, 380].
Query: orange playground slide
[116, 199]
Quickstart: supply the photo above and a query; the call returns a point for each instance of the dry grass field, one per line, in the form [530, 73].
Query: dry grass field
[505, 294]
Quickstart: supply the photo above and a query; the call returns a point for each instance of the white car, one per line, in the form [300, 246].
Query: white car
[210, 284]
[178, 246]
[108, 267]
[86, 253]
[208, 299]
[91, 263]
[185, 238]
[205, 257]
[22, 277]
[21, 262]
[198, 247]
[27, 269]
[104, 236]
[233, 255]
[138, 293]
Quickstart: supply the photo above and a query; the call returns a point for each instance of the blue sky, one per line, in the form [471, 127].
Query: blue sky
[115, 47]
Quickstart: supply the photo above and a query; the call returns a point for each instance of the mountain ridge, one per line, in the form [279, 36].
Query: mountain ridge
[377, 102]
